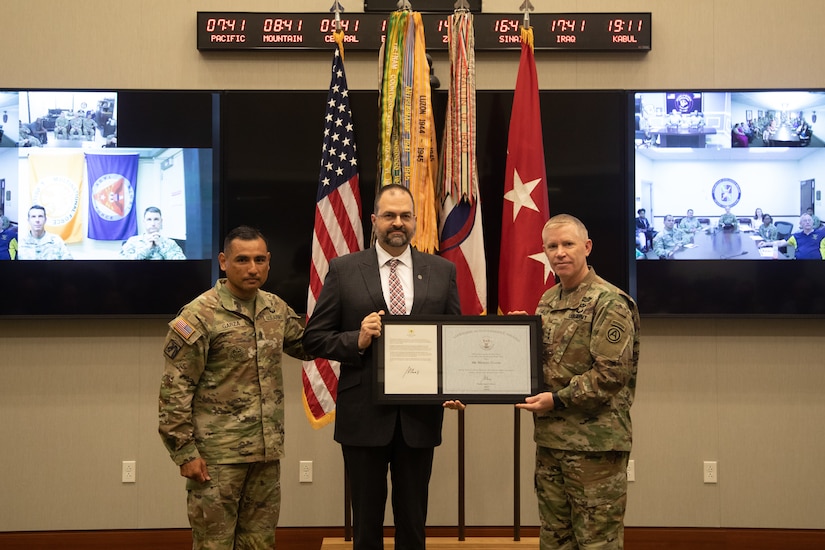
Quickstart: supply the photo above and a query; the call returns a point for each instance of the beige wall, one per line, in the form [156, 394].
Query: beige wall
[78, 397]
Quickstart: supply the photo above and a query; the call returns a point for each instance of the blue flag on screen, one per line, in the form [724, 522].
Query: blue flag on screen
[112, 187]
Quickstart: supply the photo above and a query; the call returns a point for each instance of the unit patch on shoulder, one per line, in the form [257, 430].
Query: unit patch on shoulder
[615, 332]
[172, 348]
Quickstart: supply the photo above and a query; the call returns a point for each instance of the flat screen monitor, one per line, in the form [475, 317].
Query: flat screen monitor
[109, 201]
[728, 210]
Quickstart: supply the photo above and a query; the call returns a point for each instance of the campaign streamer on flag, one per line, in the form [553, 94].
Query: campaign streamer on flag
[460, 229]
[338, 229]
[112, 189]
[524, 271]
[407, 146]
[56, 183]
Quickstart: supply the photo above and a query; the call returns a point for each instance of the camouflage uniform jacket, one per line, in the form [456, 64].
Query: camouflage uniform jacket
[667, 241]
[728, 219]
[689, 225]
[47, 247]
[769, 232]
[222, 394]
[591, 355]
[140, 247]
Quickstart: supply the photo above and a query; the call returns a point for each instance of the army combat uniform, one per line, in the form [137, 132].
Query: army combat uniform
[728, 220]
[140, 247]
[222, 399]
[769, 232]
[689, 225]
[47, 247]
[591, 354]
[667, 241]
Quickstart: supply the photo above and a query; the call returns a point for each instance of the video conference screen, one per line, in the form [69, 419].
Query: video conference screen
[77, 186]
[725, 191]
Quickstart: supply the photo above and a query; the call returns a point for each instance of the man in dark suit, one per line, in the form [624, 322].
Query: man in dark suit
[346, 318]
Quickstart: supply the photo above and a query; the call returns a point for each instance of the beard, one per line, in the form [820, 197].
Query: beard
[396, 238]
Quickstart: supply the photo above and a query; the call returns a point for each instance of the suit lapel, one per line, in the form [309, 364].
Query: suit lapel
[421, 279]
[372, 280]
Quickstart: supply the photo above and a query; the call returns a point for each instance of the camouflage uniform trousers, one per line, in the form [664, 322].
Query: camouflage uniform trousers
[582, 499]
[238, 509]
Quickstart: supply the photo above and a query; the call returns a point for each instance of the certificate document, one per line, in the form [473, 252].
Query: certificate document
[411, 359]
[477, 359]
[486, 359]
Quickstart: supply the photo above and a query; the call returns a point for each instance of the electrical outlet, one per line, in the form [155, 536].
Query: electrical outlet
[711, 471]
[305, 471]
[631, 470]
[128, 472]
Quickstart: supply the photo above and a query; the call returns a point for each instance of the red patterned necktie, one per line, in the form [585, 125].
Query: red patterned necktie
[397, 305]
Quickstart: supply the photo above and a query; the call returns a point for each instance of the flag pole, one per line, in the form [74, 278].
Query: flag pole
[460, 226]
[337, 8]
[338, 35]
[514, 164]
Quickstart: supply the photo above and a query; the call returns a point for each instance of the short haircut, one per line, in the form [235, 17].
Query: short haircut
[153, 209]
[37, 207]
[391, 187]
[244, 233]
[565, 219]
[640, 210]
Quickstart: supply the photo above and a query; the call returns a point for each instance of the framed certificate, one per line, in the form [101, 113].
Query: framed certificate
[475, 359]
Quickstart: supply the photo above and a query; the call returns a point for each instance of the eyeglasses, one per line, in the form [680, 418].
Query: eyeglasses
[389, 217]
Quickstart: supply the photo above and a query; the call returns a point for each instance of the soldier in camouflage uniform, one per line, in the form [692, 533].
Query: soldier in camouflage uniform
[768, 230]
[38, 244]
[669, 241]
[151, 245]
[690, 224]
[222, 399]
[728, 220]
[582, 419]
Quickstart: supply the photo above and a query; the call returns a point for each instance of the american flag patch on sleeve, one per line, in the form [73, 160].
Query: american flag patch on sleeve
[183, 328]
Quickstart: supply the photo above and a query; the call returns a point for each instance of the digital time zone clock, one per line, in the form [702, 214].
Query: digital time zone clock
[614, 32]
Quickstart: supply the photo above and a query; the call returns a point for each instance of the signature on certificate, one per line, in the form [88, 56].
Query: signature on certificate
[410, 370]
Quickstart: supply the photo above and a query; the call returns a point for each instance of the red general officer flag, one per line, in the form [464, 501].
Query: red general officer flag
[524, 271]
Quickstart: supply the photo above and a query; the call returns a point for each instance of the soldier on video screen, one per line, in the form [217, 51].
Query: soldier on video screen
[38, 244]
[152, 245]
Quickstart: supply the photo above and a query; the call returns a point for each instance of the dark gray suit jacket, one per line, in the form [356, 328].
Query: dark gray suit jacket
[352, 290]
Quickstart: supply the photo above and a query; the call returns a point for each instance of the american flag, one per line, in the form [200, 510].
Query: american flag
[183, 328]
[338, 230]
